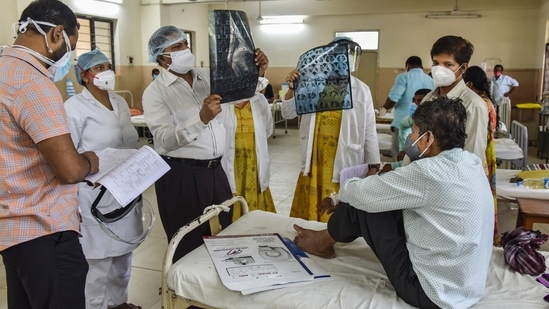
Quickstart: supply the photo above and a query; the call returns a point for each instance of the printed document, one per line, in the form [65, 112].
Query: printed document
[126, 173]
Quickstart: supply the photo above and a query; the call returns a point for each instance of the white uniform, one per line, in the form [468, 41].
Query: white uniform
[93, 128]
[263, 128]
[357, 143]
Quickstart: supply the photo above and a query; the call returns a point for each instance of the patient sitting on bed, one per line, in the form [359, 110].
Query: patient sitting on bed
[429, 223]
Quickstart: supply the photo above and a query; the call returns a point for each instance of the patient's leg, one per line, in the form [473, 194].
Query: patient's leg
[384, 233]
[318, 243]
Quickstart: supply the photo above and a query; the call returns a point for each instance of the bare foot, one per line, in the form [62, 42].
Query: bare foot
[318, 243]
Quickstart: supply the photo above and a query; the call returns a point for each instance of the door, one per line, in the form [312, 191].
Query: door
[368, 72]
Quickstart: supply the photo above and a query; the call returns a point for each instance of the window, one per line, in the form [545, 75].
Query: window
[189, 39]
[95, 33]
[368, 40]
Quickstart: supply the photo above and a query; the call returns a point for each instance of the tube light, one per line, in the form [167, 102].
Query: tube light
[452, 16]
[112, 1]
[269, 20]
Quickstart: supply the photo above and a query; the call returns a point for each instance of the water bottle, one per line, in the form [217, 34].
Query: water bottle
[535, 183]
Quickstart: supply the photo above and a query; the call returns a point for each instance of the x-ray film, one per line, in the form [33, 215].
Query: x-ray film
[233, 73]
[325, 81]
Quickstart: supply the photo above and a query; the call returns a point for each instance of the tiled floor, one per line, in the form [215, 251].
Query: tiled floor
[284, 151]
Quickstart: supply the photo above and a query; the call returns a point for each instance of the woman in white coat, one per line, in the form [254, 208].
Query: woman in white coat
[246, 160]
[97, 120]
[330, 142]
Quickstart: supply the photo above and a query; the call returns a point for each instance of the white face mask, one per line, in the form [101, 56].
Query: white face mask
[443, 77]
[261, 84]
[104, 80]
[182, 61]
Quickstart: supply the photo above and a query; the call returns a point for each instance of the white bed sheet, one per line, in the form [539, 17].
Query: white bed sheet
[139, 121]
[507, 190]
[384, 128]
[507, 149]
[385, 141]
[359, 280]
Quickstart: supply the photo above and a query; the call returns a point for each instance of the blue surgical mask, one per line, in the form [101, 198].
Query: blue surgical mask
[61, 67]
[58, 69]
[411, 149]
[155, 76]
[412, 109]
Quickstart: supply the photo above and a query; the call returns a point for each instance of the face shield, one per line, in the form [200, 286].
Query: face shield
[353, 49]
[354, 56]
[138, 213]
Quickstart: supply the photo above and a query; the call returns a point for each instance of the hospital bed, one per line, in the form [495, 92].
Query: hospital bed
[359, 280]
[510, 191]
[276, 110]
[514, 148]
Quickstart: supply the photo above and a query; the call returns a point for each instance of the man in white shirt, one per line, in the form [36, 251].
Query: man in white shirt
[182, 116]
[503, 85]
[430, 223]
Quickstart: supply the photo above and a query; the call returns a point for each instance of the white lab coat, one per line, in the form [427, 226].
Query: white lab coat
[357, 143]
[93, 128]
[263, 128]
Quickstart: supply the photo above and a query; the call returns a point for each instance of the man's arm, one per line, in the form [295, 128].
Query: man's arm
[396, 92]
[508, 93]
[68, 166]
[513, 84]
[389, 104]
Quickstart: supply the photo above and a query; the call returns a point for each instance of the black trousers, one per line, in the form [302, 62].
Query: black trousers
[48, 272]
[183, 193]
[384, 233]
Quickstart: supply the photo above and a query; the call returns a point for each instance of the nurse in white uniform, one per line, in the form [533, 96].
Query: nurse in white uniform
[99, 119]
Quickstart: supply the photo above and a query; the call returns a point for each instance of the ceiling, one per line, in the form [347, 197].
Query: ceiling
[349, 7]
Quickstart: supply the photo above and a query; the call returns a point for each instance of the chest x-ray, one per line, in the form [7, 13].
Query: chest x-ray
[233, 73]
[325, 81]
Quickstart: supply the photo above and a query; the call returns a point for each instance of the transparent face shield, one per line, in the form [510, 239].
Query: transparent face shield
[138, 213]
[354, 56]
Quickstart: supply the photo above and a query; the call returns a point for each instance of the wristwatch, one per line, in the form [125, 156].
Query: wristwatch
[335, 199]
[376, 166]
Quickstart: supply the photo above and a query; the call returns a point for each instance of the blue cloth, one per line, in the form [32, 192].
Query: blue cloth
[403, 90]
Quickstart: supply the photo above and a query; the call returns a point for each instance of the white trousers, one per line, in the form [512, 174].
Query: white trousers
[107, 281]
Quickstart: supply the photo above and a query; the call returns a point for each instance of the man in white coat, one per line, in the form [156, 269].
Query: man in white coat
[356, 143]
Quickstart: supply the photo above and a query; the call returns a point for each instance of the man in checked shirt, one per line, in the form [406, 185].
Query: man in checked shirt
[39, 221]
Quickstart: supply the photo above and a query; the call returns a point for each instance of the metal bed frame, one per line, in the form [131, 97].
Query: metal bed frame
[276, 110]
[169, 299]
[518, 134]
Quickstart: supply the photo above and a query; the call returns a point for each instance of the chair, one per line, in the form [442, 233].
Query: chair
[515, 148]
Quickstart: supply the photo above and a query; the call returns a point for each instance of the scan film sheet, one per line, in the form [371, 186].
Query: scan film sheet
[233, 73]
[325, 81]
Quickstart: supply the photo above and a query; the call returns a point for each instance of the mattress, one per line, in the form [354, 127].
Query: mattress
[139, 121]
[358, 278]
[508, 190]
[507, 149]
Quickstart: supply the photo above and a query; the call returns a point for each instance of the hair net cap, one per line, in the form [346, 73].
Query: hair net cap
[88, 60]
[163, 38]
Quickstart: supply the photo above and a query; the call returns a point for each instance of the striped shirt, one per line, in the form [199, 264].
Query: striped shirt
[33, 203]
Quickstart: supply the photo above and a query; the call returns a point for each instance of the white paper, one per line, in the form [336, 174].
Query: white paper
[126, 173]
[253, 263]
